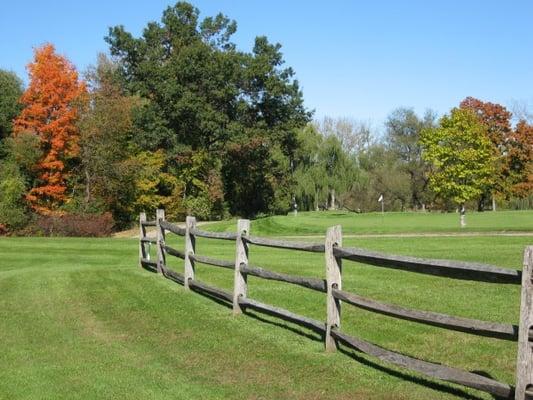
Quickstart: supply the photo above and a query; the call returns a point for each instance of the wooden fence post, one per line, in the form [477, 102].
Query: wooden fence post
[190, 246]
[241, 257]
[524, 365]
[160, 216]
[142, 235]
[334, 281]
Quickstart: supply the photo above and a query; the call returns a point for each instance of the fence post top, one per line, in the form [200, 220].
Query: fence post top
[334, 231]
[243, 226]
[142, 216]
[160, 213]
[190, 220]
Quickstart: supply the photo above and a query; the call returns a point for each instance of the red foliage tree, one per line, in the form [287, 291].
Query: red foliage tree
[520, 157]
[495, 116]
[497, 119]
[51, 104]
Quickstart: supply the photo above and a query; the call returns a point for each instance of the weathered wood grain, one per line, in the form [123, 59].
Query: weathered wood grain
[447, 268]
[213, 261]
[160, 232]
[148, 223]
[284, 244]
[241, 258]
[143, 254]
[173, 252]
[190, 247]
[476, 327]
[432, 370]
[214, 235]
[173, 228]
[310, 283]
[173, 275]
[283, 314]
[524, 364]
[334, 281]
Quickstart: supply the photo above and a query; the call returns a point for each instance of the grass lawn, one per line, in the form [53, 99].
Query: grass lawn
[316, 223]
[80, 320]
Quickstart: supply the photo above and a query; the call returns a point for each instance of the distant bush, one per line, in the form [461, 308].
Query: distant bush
[199, 206]
[13, 213]
[79, 225]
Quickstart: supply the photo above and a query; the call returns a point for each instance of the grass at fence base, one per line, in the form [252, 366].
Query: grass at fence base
[79, 320]
[316, 223]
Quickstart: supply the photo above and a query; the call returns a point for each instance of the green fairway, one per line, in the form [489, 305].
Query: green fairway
[80, 320]
[316, 223]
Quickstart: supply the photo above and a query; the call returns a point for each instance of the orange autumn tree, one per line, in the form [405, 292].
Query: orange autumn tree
[51, 106]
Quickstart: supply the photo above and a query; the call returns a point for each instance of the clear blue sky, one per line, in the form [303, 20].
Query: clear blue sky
[353, 58]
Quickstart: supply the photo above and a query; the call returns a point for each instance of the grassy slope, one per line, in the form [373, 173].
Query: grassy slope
[313, 223]
[78, 319]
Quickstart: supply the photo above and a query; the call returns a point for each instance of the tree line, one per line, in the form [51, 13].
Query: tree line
[180, 118]
[473, 156]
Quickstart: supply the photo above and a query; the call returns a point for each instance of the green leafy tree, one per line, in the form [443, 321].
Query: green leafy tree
[17, 174]
[461, 155]
[338, 169]
[324, 172]
[25, 151]
[497, 120]
[255, 179]
[309, 176]
[13, 210]
[150, 176]
[10, 92]
[201, 94]
[381, 173]
[202, 188]
[106, 172]
[403, 128]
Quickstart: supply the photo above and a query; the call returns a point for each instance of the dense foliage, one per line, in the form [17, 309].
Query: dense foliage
[206, 102]
[10, 92]
[461, 153]
[180, 118]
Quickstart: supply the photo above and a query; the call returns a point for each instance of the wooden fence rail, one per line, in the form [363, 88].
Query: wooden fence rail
[331, 284]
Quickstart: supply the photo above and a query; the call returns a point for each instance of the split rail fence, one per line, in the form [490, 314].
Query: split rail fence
[332, 287]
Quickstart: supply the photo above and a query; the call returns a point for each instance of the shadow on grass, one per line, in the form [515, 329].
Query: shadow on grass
[414, 379]
[316, 336]
[149, 268]
[313, 335]
[215, 299]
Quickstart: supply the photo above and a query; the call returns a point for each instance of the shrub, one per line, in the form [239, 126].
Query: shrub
[81, 225]
[12, 187]
[199, 206]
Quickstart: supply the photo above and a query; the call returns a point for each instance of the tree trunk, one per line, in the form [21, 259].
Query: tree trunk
[87, 188]
[332, 199]
[316, 200]
[462, 212]
[493, 203]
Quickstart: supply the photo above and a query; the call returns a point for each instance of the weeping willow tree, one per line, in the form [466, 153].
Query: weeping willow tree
[323, 170]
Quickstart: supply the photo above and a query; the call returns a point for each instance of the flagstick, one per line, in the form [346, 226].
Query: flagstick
[381, 200]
